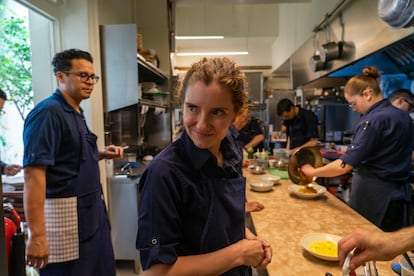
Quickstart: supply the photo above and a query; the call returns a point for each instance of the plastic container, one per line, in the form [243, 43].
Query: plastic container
[406, 270]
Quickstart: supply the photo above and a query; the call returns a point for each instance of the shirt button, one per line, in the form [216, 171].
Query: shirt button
[154, 241]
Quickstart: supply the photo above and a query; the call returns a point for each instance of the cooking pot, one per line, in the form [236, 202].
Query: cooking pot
[397, 13]
[308, 155]
[330, 51]
[316, 64]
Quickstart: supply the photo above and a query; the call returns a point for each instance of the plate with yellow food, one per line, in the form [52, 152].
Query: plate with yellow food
[321, 245]
[312, 190]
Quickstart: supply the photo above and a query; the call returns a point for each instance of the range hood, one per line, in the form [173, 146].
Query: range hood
[368, 41]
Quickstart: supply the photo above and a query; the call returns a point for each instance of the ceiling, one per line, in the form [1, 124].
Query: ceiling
[247, 25]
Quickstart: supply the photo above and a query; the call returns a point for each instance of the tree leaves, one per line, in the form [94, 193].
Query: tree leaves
[15, 60]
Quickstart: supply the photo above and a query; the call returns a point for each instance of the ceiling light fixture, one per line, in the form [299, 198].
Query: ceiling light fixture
[199, 37]
[213, 54]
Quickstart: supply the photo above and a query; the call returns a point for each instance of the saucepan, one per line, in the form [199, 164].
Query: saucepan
[308, 155]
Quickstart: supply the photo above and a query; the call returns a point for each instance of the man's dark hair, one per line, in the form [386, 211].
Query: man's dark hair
[284, 105]
[401, 92]
[63, 60]
[3, 95]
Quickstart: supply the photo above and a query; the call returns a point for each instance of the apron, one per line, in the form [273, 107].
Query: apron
[81, 216]
[370, 196]
[225, 222]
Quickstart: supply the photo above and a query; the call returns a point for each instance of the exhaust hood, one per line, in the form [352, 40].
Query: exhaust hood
[368, 41]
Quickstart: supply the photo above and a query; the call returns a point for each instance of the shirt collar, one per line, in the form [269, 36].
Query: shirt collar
[200, 157]
[66, 107]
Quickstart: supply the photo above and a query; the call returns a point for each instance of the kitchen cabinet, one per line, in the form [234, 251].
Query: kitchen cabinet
[123, 70]
[119, 65]
[124, 74]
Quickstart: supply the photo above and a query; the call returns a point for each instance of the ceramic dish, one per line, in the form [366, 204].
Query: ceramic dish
[298, 191]
[269, 177]
[310, 239]
[256, 169]
[261, 185]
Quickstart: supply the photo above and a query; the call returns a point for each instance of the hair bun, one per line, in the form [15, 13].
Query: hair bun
[371, 71]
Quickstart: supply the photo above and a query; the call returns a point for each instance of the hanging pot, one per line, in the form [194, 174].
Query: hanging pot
[316, 64]
[329, 51]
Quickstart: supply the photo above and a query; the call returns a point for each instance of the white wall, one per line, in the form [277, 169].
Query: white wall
[296, 22]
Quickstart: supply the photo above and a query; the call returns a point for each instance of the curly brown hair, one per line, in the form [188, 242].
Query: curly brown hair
[222, 70]
[368, 79]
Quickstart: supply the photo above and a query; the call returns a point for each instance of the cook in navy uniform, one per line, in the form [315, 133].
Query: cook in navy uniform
[301, 125]
[380, 155]
[64, 206]
[191, 210]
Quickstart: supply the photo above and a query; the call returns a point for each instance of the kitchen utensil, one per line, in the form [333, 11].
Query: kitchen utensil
[261, 186]
[269, 177]
[316, 64]
[396, 13]
[307, 240]
[406, 269]
[407, 258]
[256, 169]
[296, 190]
[330, 51]
[308, 155]
[345, 266]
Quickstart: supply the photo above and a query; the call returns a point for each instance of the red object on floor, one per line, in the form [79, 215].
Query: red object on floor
[10, 228]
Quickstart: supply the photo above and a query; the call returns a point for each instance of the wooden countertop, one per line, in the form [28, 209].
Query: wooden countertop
[286, 218]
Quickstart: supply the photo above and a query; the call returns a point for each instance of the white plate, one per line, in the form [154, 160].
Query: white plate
[307, 240]
[295, 189]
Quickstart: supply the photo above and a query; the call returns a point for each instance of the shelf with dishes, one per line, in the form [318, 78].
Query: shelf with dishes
[148, 72]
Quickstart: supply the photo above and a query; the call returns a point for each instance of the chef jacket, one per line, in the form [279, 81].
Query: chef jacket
[380, 154]
[189, 205]
[249, 131]
[301, 128]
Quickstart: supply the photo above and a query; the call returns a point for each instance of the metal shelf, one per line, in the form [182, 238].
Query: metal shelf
[148, 72]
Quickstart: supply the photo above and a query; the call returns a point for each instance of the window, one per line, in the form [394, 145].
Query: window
[24, 50]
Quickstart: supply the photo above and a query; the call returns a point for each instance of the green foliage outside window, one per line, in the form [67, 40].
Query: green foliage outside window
[15, 60]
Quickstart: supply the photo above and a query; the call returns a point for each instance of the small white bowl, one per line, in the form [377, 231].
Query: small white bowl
[270, 177]
[261, 186]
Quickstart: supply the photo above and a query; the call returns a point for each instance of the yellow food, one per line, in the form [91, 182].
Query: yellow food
[308, 190]
[327, 248]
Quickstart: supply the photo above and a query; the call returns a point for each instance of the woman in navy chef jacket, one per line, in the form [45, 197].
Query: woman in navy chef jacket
[380, 155]
[191, 211]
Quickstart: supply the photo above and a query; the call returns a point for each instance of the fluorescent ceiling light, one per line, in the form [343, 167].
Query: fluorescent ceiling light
[213, 54]
[200, 37]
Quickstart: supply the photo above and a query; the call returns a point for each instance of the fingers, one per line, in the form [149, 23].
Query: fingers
[12, 169]
[37, 262]
[113, 151]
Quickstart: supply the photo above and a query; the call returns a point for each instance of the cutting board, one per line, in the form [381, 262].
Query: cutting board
[282, 173]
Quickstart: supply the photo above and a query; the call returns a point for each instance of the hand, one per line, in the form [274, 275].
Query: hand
[305, 174]
[246, 163]
[268, 254]
[369, 245]
[12, 169]
[112, 152]
[37, 252]
[253, 206]
[252, 252]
